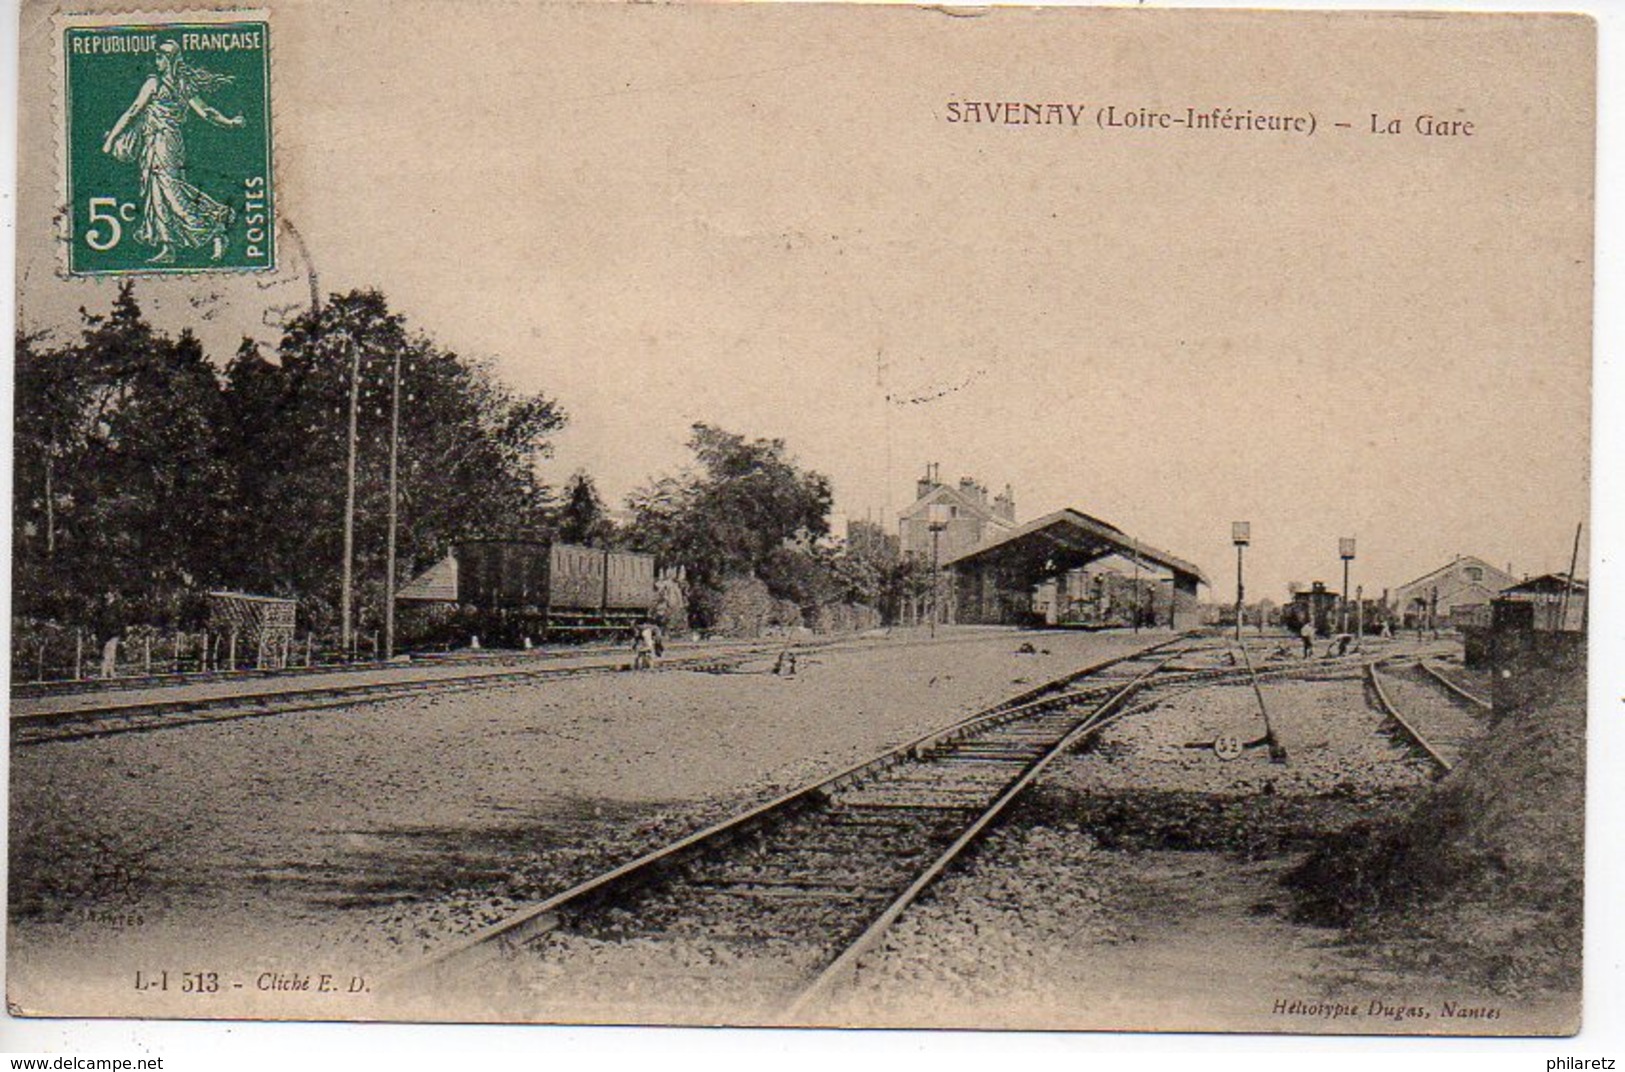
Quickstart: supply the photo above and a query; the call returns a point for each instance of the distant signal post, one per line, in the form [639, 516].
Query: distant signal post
[1345, 551]
[1241, 534]
[937, 516]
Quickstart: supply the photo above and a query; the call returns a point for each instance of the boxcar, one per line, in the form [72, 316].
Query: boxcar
[535, 588]
[508, 575]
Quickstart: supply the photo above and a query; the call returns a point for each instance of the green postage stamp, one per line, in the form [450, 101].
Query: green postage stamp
[167, 145]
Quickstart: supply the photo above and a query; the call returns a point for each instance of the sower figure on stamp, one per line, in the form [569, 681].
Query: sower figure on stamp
[173, 211]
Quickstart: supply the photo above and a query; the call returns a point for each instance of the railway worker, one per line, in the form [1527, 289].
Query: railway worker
[646, 645]
[1307, 635]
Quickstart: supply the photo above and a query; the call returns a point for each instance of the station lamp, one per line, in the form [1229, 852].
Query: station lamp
[937, 516]
[1241, 534]
[1345, 551]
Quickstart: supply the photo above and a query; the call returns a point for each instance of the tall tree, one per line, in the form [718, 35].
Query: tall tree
[733, 511]
[123, 427]
[51, 392]
[144, 479]
[873, 570]
[469, 449]
[582, 519]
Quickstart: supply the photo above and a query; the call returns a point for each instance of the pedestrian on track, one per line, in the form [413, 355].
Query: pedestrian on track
[647, 645]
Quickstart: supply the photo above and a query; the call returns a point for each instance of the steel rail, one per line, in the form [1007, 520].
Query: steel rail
[44, 690]
[494, 657]
[844, 965]
[507, 938]
[1389, 707]
[177, 713]
[538, 664]
[147, 715]
[1107, 714]
[511, 936]
[1475, 700]
[1306, 667]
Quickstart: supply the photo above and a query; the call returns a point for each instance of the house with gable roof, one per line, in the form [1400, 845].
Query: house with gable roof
[1468, 581]
[969, 516]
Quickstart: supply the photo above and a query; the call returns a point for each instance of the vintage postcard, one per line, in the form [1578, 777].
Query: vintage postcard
[801, 514]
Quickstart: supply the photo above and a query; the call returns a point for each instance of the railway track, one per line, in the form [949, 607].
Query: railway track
[790, 895]
[32, 728]
[1439, 717]
[484, 671]
[1243, 667]
[38, 690]
[161, 712]
[473, 660]
[1456, 689]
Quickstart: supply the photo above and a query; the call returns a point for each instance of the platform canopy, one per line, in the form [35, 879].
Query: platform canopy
[1063, 541]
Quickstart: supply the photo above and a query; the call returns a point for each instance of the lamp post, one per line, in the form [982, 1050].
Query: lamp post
[936, 575]
[1241, 534]
[936, 516]
[1345, 551]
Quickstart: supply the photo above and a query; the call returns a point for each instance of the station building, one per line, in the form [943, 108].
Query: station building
[1070, 568]
[1433, 597]
[1539, 623]
[1550, 603]
[969, 518]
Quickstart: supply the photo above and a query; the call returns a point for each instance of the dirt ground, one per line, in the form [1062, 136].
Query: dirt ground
[1150, 940]
[351, 842]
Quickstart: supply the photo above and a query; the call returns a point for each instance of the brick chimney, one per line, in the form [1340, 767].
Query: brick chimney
[972, 490]
[1005, 505]
[927, 483]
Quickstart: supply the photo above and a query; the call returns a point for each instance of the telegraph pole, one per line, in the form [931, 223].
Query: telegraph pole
[936, 577]
[346, 626]
[1568, 583]
[394, 510]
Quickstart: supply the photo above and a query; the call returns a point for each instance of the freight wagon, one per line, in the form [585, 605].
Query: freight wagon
[533, 588]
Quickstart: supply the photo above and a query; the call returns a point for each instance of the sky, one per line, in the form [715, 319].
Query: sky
[762, 218]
